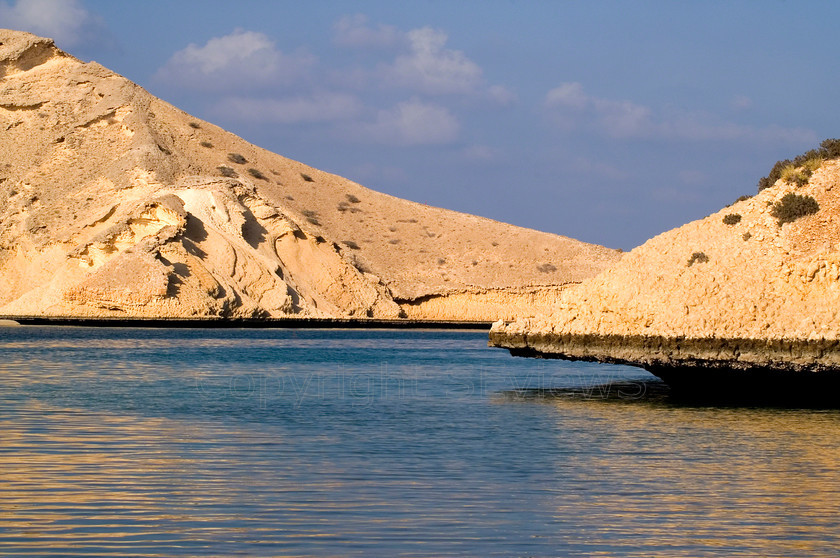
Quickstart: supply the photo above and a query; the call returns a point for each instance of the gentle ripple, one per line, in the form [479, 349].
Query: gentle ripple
[151, 442]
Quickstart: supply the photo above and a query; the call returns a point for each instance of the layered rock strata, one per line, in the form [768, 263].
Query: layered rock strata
[752, 292]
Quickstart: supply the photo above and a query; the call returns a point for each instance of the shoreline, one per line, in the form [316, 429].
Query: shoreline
[782, 372]
[665, 352]
[246, 323]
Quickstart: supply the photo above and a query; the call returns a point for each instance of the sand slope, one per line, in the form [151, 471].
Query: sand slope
[116, 203]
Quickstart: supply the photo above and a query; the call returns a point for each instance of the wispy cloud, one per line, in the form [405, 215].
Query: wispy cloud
[501, 95]
[571, 108]
[422, 63]
[242, 60]
[246, 77]
[411, 122]
[320, 107]
[66, 21]
[354, 31]
[431, 68]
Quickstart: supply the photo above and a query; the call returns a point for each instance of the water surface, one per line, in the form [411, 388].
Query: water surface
[155, 442]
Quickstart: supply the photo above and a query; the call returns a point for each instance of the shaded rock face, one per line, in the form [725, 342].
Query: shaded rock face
[753, 289]
[115, 203]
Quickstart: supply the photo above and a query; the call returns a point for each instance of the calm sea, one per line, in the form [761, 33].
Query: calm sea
[153, 442]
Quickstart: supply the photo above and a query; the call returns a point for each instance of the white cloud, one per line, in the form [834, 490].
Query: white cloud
[501, 95]
[424, 65]
[66, 21]
[568, 95]
[572, 109]
[431, 68]
[411, 123]
[240, 60]
[321, 107]
[354, 31]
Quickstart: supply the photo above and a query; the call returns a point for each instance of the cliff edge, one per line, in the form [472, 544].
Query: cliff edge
[751, 289]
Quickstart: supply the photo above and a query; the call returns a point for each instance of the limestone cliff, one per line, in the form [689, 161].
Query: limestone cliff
[115, 203]
[753, 287]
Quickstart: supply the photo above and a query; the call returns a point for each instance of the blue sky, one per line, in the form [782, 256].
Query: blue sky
[605, 121]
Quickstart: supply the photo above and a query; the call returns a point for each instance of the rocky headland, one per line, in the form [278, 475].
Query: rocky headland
[748, 296]
[117, 204]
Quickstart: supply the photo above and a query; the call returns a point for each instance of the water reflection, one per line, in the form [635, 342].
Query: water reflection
[671, 478]
[133, 443]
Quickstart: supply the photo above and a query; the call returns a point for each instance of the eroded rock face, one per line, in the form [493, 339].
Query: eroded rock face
[736, 290]
[116, 204]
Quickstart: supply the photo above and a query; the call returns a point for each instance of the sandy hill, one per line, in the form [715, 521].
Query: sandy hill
[115, 203]
[753, 287]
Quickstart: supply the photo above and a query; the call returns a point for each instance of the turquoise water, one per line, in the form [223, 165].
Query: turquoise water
[152, 442]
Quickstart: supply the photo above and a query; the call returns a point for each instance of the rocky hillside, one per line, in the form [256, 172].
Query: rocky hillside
[753, 286]
[115, 203]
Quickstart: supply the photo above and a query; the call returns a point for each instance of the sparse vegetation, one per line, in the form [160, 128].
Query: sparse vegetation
[746, 236]
[350, 244]
[311, 217]
[195, 125]
[830, 148]
[257, 174]
[306, 177]
[360, 265]
[227, 172]
[797, 175]
[394, 241]
[352, 199]
[546, 268]
[344, 206]
[800, 169]
[697, 257]
[441, 261]
[237, 158]
[206, 144]
[793, 206]
[732, 219]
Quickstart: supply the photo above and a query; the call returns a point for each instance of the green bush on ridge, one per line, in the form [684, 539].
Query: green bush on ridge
[732, 219]
[793, 206]
[800, 169]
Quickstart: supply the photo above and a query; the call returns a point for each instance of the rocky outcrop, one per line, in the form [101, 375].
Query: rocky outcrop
[117, 204]
[752, 290]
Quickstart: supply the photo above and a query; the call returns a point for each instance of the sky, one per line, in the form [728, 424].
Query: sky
[606, 121]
